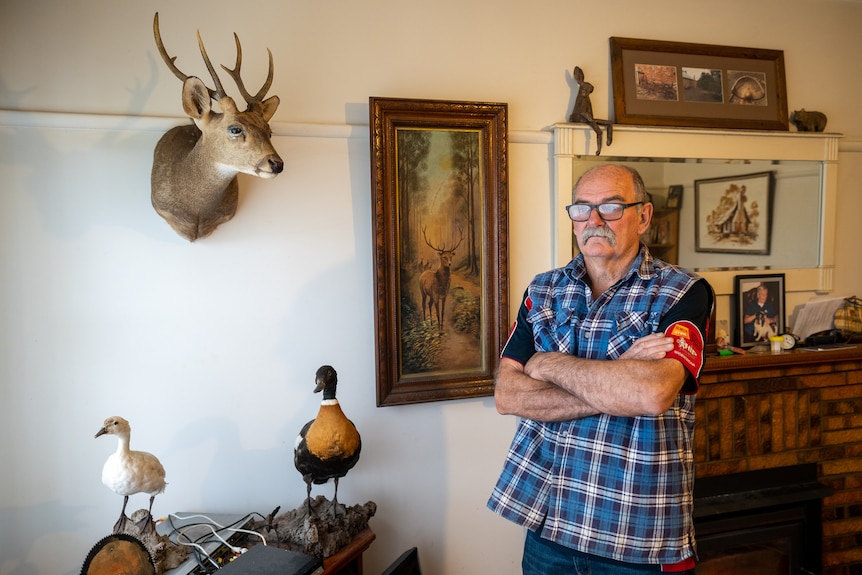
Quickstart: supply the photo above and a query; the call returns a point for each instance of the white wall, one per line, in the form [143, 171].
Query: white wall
[209, 349]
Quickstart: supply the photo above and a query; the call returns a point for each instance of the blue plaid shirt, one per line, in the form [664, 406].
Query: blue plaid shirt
[616, 487]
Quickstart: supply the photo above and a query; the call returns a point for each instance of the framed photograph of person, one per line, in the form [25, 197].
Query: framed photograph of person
[439, 190]
[759, 303]
[674, 197]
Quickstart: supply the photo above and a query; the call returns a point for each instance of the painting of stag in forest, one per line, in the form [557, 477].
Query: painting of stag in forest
[440, 254]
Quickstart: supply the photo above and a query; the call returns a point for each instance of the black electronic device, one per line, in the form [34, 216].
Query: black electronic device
[269, 560]
[827, 337]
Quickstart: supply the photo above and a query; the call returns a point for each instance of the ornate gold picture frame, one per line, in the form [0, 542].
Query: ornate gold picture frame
[439, 186]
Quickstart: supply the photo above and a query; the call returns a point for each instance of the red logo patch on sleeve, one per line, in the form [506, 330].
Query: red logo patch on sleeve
[688, 346]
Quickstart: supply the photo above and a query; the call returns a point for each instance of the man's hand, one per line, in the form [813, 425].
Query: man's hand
[653, 346]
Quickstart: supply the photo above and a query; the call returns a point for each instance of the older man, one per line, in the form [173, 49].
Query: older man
[601, 366]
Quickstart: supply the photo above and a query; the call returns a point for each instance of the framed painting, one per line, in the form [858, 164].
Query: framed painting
[734, 214]
[698, 85]
[439, 181]
[759, 301]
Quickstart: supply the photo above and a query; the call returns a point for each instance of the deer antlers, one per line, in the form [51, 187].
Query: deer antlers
[234, 73]
[236, 77]
[444, 249]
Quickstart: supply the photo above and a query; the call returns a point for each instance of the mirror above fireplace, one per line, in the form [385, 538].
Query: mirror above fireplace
[803, 168]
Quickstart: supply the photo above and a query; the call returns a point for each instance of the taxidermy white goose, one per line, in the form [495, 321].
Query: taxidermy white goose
[328, 446]
[127, 472]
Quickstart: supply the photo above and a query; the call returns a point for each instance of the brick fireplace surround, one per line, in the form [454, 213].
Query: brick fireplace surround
[760, 411]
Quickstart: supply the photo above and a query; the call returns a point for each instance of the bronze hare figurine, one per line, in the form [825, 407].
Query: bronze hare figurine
[583, 110]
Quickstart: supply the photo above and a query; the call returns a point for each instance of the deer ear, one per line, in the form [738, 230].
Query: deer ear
[196, 98]
[268, 107]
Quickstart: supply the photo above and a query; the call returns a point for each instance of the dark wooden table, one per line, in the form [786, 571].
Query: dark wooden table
[348, 561]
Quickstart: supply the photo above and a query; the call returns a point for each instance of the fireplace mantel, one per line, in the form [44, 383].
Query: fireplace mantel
[797, 357]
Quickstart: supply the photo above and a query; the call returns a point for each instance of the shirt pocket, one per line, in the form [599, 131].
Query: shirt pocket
[553, 329]
[631, 325]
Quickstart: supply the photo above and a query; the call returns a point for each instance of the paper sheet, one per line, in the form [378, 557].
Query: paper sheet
[817, 314]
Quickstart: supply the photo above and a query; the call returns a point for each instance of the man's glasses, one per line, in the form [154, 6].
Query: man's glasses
[607, 212]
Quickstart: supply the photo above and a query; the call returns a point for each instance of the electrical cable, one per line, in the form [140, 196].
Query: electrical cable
[212, 531]
[211, 522]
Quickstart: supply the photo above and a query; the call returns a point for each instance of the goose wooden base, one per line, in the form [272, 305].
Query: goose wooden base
[323, 533]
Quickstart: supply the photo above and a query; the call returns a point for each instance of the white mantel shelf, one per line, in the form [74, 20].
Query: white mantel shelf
[647, 141]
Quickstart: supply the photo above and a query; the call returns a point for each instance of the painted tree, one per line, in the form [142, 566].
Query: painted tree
[413, 148]
[465, 183]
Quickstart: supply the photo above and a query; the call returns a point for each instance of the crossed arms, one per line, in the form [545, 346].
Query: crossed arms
[554, 386]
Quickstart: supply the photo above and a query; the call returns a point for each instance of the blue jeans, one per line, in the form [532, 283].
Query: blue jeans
[542, 557]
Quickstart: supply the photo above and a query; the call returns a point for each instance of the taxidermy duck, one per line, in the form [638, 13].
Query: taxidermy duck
[327, 446]
[127, 472]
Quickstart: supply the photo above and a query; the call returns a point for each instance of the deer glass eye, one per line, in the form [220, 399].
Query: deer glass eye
[234, 131]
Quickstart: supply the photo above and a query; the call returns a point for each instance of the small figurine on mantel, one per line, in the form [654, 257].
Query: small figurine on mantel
[808, 121]
[582, 112]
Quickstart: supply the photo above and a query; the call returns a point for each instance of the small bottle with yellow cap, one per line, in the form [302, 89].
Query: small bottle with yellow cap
[776, 342]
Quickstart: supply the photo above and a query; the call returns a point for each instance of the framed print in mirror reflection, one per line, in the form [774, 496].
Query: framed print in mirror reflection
[734, 214]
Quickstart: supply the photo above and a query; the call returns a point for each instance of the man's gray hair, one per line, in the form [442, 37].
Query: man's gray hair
[638, 182]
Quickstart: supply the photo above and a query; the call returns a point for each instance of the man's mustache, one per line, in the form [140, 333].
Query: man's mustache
[602, 232]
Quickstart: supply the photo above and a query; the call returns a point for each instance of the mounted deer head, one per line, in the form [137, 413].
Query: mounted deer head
[194, 183]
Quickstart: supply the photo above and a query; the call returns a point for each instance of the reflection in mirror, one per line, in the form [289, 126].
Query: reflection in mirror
[795, 218]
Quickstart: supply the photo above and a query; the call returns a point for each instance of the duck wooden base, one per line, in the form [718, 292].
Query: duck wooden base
[322, 534]
[165, 554]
